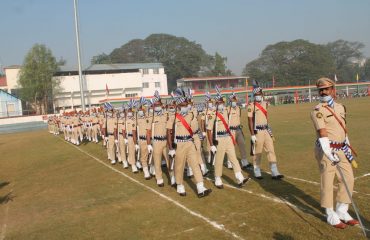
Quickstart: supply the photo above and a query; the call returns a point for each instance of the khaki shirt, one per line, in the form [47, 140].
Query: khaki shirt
[158, 124]
[324, 119]
[260, 116]
[121, 125]
[234, 116]
[130, 124]
[142, 125]
[111, 124]
[180, 128]
[220, 126]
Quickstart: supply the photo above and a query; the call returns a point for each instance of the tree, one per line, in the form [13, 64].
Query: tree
[291, 63]
[218, 66]
[347, 56]
[36, 78]
[367, 69]
[180, 57]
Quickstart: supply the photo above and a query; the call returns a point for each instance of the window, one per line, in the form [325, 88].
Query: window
[145, 71]
[156, 71]
[145, 85]
[157, 84]
[129, 95]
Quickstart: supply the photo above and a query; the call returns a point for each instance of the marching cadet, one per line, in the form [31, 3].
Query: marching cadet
[156, 131]
[209, 111]
[94, 126]
[198, 136]
[110, 132]
[261, 134]
[133, 146]
[234, 113]
[222, 141]
[122, 140]
[141, 131]
[181, 146]
[333, 149]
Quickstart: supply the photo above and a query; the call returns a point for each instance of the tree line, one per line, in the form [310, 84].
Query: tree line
[288, 63]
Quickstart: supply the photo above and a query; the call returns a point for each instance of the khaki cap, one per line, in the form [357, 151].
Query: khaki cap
[324, 83]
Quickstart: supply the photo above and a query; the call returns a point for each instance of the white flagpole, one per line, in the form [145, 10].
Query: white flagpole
[78, 56]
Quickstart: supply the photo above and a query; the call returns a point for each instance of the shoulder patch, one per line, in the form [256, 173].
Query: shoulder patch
[319, 115]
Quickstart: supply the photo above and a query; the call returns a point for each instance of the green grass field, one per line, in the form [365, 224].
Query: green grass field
[50, 189]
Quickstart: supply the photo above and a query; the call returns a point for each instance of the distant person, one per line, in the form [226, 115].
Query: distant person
[332, 148]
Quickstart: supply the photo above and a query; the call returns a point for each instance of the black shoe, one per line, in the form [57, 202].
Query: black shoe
[148, 178]
[174, 185]
[259, 178]
[220, 186]
[205, 174]
[191, 176]
[204, 193]
[247, 167]
[135, 172]
[182, 194]
[277, 177]
[240, 185]
[161, 185]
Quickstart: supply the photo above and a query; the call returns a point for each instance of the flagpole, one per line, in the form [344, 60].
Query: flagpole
[358, 87]
[79, 57]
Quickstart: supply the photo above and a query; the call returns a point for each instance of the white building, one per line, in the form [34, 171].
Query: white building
[123, 81]
[12, 75]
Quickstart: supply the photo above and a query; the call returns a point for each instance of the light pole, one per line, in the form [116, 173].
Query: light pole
[78, 56]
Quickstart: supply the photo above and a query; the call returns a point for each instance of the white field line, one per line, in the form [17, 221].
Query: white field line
[3, 228]
[198, 215]
[365, 175]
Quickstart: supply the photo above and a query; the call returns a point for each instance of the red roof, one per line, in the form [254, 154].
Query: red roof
[3, 82]
[211, 78]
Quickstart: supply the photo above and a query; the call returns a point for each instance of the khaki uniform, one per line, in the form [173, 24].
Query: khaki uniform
[236, 130]
[196, 137]
[225, 144]
[208, 114]
[157, 124]
[264, 139]
[185, 151]
[323, 119]
[121, 140]
[142, 126]
[94, 127]
[111, 128]
[130, 126]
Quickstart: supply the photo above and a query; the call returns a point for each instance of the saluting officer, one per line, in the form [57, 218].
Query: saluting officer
[333, 149]
[261, 134]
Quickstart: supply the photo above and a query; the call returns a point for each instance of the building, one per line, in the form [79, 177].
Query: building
[9, 84]
[105, 82]
[10, 105]
[203, 84]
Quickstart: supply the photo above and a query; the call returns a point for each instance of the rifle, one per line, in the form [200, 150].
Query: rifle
[253, 147]
[173, 140]
[137, 139]
[117, 145]
[214, 137]
[150, 156]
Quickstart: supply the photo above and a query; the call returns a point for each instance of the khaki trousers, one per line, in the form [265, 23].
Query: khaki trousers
[198, 147]
[264, 142]
[122, 147]
[131, 151]
[186, 152]
[225, 145]
[239, 138]
[111, 148]
[327, 174]
[159, 150]
[143, 153]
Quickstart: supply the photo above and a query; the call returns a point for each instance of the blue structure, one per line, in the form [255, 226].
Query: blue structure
[10, 105]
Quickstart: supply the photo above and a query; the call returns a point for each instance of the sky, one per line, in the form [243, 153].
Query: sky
[236, 29]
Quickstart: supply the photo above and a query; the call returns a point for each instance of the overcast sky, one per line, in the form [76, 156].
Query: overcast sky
[237, 29]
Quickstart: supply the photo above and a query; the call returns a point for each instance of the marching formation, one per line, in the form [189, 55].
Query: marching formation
[187, 137]
[181, 137]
